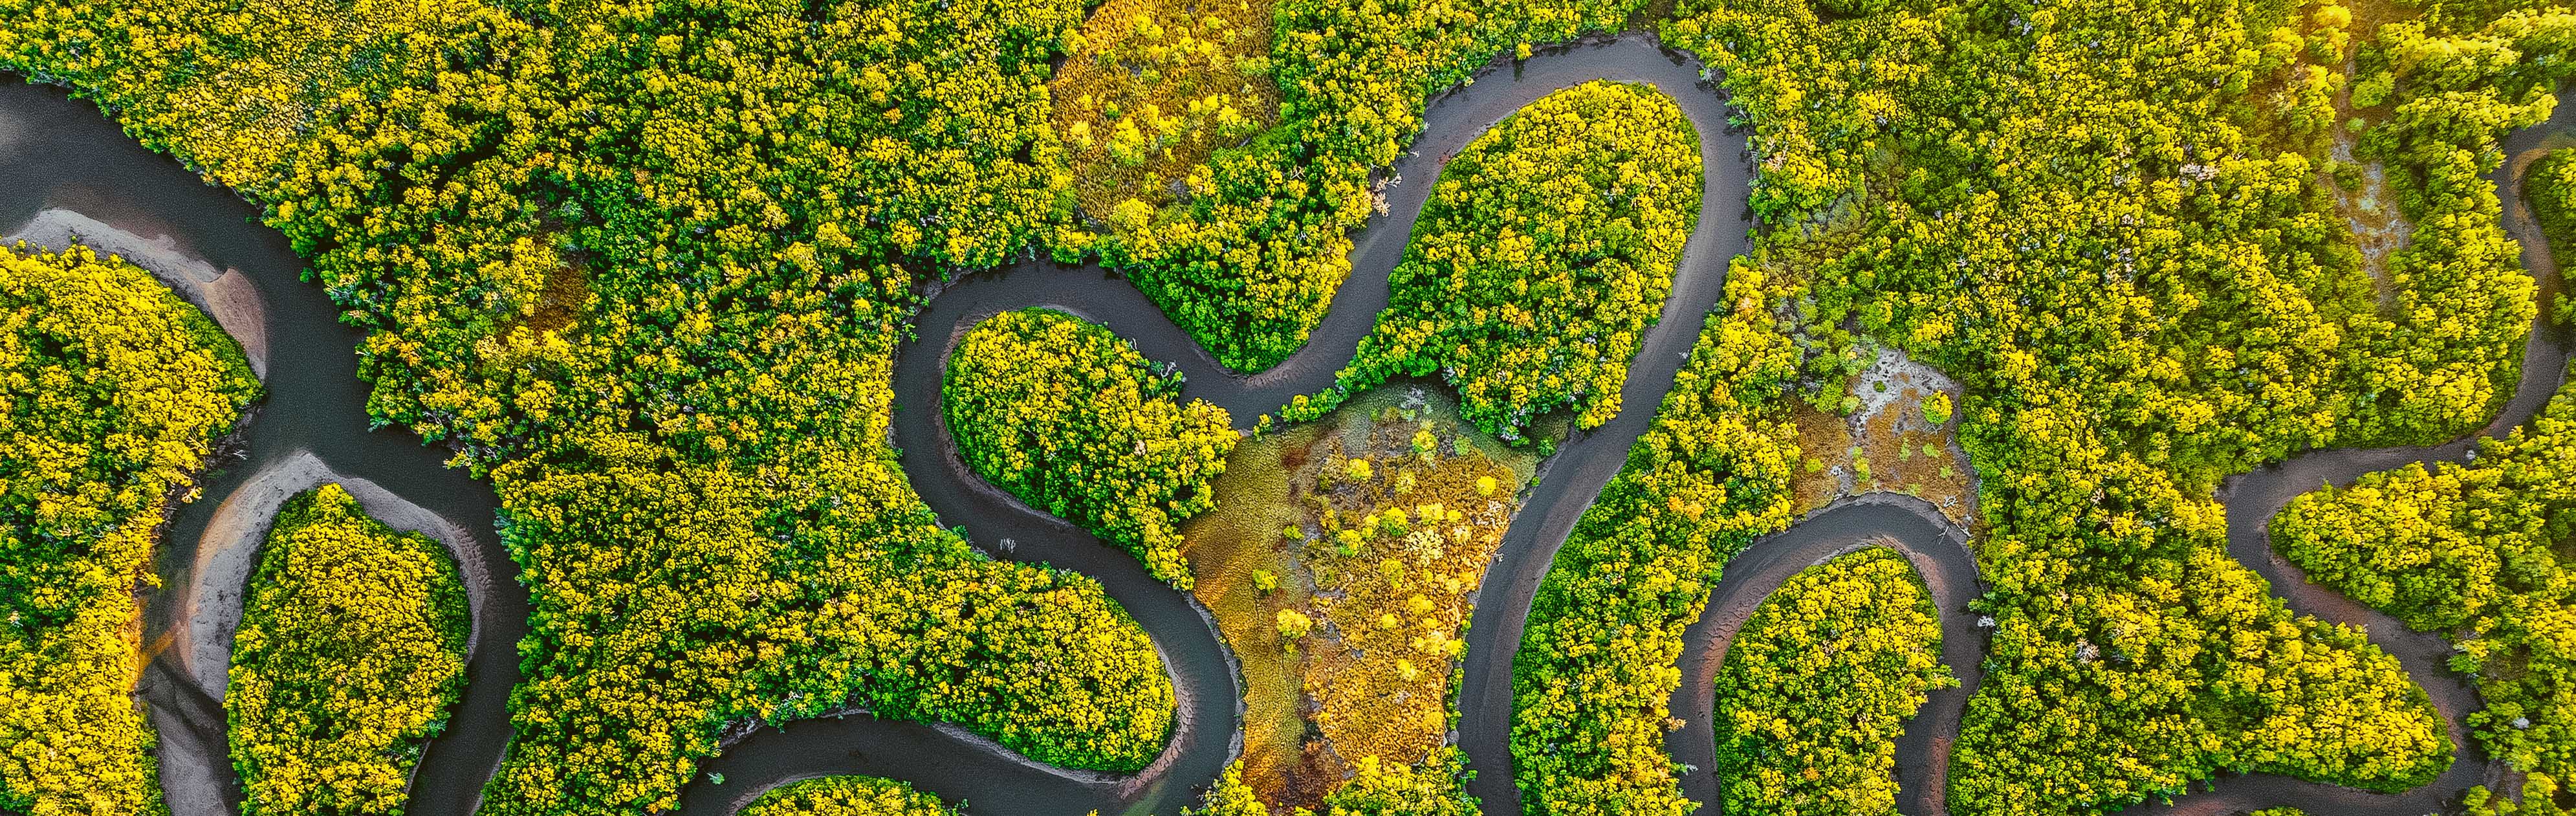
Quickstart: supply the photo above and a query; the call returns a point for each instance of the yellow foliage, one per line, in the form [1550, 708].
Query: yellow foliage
[1153, 87]
[111, 391]
[848, 796]
[351, 651]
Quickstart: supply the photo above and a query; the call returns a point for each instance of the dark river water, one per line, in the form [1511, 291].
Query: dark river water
[59, 156]
[1202, 674]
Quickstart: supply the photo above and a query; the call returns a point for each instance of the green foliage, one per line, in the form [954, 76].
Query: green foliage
[645, 264]
[1248, 259]
[2539, 798]
[848, 796]
[350, 652]
[1293, 625]
[2452, 98]
[1594, 675]
[1155, 86]
[1818, 685]
[1434, 787]
[1229, 796]
[864, 603]
[112, 392]
[2476, 549]
[2135, 312]
[1937, 408]
[1058, 411]
[2549, 186]
[1543, 255]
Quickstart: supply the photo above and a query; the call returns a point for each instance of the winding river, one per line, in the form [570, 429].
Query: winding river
[1210, 699]
[70, 172]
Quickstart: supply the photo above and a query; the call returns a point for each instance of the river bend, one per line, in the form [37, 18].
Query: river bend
[67, 165]
[68, 171]
[957, 766]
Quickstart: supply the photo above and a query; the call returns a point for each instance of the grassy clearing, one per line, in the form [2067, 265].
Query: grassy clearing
[1888, 442]
[1380, 601]
[1153, 87]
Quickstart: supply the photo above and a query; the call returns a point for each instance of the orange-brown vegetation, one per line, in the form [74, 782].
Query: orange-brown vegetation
[1374, 526]
[1889, 443]
[1153, 87]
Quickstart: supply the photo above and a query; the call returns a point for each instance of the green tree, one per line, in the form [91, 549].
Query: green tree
[112, 392]
[1059, 412]
[1543, 255]
[350, 653]
[1593, 678]
[1818, 685]
[848, 796]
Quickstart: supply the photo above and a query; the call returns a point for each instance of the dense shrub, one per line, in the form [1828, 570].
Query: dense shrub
[1592, 682]
[645, 264]
[848, 796]
[2136, 312]
[2475, 549]
[1060, 412]
[1229, 796]
[2549, 186]
[112, 391]
[1153, 88]
[912, 628]
[1248, 259]
[1544, 253]
[1428, 788]
[2539, 798]
[1818, 685]
[351, 651]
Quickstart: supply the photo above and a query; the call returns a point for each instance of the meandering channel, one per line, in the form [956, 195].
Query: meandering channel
[2253, 498]
[1938, 550]
[59, 155]
[68, 170]
[956, 766]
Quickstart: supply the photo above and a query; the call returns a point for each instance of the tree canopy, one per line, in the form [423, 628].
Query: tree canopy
[2477, 550]
[1818, 685]
[848, 796]
[112, 393]
[2128, 230]
[644, 266]
[350, 653]
[1593, 681]
[1060, 412]
[1544, 253]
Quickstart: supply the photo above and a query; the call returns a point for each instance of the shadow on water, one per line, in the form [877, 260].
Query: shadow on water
[57, 153]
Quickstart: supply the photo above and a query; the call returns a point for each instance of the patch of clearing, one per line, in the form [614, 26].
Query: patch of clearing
[1155, 86]
[1343, 601]
[1890, 443]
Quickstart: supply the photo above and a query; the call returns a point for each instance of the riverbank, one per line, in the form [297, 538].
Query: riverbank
[954, 770]
[71, 172]
[227, 295]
